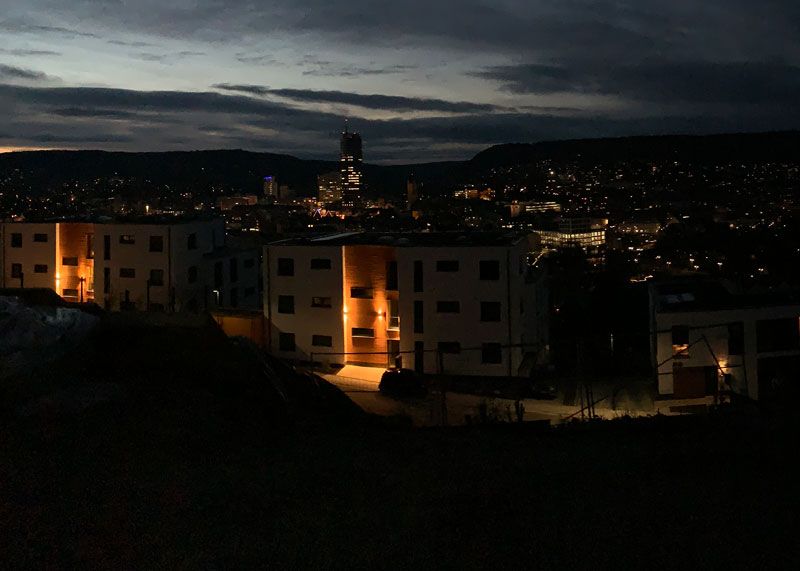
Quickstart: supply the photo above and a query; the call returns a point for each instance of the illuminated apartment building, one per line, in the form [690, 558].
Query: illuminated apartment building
[160, 265]
[451, 303]
[707, 342]
[329, 187]
[350, 167]
[585, 233]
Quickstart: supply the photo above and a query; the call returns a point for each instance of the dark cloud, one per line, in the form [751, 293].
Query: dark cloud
[12, 72]
[24, 53]
[130, 44]
[22, 27]
[327, 69]
[93, 113]
[373, 101]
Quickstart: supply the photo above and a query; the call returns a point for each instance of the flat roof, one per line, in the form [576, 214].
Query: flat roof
[710, 295]
[409, 239]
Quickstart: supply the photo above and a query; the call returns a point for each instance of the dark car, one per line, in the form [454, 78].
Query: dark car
[402, 383]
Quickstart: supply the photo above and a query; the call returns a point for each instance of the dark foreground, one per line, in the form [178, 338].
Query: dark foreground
[189, 474]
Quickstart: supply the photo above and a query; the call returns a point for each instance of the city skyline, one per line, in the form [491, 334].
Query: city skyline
[422, 82]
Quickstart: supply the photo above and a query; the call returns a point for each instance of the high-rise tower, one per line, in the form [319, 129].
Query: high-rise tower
[350, 163]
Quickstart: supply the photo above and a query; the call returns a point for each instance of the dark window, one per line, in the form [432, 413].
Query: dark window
[285, 304]
[419, 356]
[69, 261]
[320, 302]
[286, 266]
[361, 292]
[452, 347]
[156, 277]
[736, 339]
[320, 264]
[322, 341]
[192, 274]
[391, 276]
[491, 354]
[447, 266]
[680, 341]
[490, 270]
[16, 270]
[249, 263]
[16, 240]
[40, 237]
[363, 332]
[191, 241]
[106, 280]
[70, 293]
[127, 239]
[106, 247]
[286, 342]
[234, 270]
[127, 273]
[90, 246]
[778, 334]
[419, 316]
[418, 281]
[218, 277]
[248, 291]
[490, 311]
[40, 269]
[156, 243]
[448, 307]
[192, 304]
[234, 297]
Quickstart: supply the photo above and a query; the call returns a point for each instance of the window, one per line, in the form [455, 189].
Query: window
[192, 274]
[106, 247]
[680, 341]
[419, 316]
[127, 273]
[491, 354]
[490, 270]
[447, 266]
[451, 347]
[248, 291]
[320, 302]
[218, 276]
[394, 315]
[448, 307]
[70, 293]
[128, 239]
[286, 342]
[778, 334]
[363, 332]
[40, 237]
[361, 292]
[418, 282]
[90, 246]
[16, 271]
[391, 276]
[156, 277]
[320, 264]
[736, 339]
[490, 311]
[286, 267]
[106, 280]
[40, 269]
[322, 341]
[156, 243]
[16, 240]
[233, 270]
[69, 261]
[249, 263]
[286, 304]
[191, 241]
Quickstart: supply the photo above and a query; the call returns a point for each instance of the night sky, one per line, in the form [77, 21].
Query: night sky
[422, 80]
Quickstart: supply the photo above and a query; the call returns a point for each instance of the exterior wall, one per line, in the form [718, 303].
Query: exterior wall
[366, 267]
[75, 240]
[31, 254]
[304, 285]
[714, 325]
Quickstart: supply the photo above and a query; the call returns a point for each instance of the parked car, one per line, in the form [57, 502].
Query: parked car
[402, 383]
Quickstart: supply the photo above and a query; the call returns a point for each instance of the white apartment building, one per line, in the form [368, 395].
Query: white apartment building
[706, 341]
[438, 303]
[157, 264]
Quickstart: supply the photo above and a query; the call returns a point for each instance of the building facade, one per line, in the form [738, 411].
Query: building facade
[706, 341]
[453, 304]
[351, 159]
[157, 265]
[329, 187]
